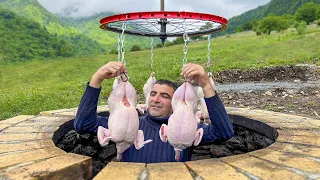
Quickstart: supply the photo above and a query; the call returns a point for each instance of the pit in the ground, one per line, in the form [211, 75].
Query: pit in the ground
[249, 135]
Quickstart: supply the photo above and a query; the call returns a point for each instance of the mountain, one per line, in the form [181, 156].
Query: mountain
[31, 9]
[278, 7]
[91, 27]
[23, 39]
[77, 31]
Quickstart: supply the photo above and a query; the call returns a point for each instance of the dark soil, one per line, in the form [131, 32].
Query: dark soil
[303, 102]
[298, 101]
[244, 140]
[300, 72]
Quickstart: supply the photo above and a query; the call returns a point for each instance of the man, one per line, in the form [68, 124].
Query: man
[159, 110]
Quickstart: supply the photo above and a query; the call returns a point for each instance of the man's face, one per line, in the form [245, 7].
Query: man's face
[160, 101]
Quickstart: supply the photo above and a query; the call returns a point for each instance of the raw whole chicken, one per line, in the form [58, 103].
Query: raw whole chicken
[203, 113]
[123, 121]
[146, 91]
[181, 131]
[116, 82]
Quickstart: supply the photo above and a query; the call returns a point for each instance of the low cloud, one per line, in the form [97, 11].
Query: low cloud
[80, 8]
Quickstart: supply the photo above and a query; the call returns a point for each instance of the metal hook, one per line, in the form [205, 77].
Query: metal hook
[124, 77]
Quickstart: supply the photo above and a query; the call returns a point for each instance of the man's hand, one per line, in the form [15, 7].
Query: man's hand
[200, 76]
[110, 70]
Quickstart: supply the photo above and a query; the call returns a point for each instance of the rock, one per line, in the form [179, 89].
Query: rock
[195, 157]
[108, 151]
[85, 138]
[297, 80]
[203, 147]
[291, 91]
[201, 152]
[268, 93]
[220, 151]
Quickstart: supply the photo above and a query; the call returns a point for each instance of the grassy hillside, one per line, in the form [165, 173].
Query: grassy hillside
[82, 33]
[32, 10]
[278, 7]
[24, 39]
[91, 27]
[34, 86]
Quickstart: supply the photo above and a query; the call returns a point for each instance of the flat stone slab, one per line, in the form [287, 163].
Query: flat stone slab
[121, 170]
[70, 166]
[161, 171]
[256, 168]
[215, 169]
[27, 152]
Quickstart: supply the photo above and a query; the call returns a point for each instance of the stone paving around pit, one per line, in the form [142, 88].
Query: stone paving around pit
[28, 152]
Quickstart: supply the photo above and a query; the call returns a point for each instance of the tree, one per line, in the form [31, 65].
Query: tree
[301, 27]
[255, 24]
[318, 12]
[66, 50]
[283, 23]
[247, 26]
[273, 23]
[289, 18]
[208, 25]
[268, 24]
[306, 13]
[238, 29]
[178, 40]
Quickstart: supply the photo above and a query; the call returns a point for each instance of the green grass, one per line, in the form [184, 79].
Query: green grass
[40, 85]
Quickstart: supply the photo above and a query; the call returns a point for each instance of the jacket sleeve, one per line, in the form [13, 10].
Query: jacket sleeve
[87, 119]
[220, 128]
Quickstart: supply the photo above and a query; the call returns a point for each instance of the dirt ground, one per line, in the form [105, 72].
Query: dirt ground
[299, 101]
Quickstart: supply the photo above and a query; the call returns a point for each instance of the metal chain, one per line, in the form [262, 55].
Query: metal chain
[124, 26]
[209, 59]
[119, 47]
[151, 59]
[185, 48]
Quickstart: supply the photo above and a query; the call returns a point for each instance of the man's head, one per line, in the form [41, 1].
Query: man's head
[160, 98]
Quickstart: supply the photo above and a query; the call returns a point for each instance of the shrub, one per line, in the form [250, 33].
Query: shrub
[135, 47]
[301, 27]
[113, 51]
[158, 46]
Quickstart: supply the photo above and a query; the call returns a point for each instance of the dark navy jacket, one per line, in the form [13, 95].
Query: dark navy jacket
[220, 129]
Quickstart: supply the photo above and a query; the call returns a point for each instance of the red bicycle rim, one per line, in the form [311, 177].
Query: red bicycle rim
[165, 23]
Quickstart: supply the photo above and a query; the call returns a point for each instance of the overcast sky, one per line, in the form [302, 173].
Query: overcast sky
[225, 8]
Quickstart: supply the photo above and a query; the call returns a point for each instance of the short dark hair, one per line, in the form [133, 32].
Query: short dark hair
[167, 82]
